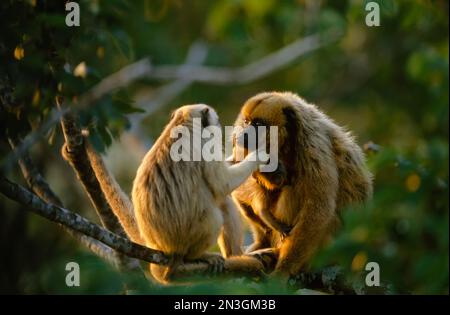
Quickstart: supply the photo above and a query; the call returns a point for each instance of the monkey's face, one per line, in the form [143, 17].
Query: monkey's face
[206, 114]
[265, 109]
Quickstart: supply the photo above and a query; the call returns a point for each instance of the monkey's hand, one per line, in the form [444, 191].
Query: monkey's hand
[273, 223]
[284, 230]
[215, 262]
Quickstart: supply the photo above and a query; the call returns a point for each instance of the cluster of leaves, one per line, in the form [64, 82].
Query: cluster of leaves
[43, 58]
[388, 84]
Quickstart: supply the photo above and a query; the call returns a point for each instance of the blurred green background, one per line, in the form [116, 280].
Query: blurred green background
[388, 84]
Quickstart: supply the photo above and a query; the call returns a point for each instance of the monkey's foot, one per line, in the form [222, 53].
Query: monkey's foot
[215, 262]
[267, 256]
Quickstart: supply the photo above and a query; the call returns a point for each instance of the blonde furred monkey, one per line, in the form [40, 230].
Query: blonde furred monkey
[294, 209]
[182, 208]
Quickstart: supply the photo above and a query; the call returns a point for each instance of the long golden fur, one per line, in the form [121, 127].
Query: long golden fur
[181, 208]
[321, 170]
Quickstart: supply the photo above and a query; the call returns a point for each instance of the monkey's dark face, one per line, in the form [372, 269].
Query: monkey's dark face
[265, 109]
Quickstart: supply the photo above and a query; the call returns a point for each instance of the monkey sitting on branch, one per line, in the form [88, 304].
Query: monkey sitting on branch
[321, 170]
[183, 207]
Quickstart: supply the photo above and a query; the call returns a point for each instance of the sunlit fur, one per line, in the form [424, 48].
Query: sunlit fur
[324, 172]
[181, 208]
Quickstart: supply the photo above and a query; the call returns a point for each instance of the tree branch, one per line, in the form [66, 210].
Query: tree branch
[248, 73]
[80, 224]
[119, 79]
[193, 73]
[151, 101]
[34, 178]
[75, 153]
[40, 187]
[120, 244]
[328, 279]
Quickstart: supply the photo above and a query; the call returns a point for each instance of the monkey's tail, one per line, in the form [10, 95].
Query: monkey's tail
[118, 201]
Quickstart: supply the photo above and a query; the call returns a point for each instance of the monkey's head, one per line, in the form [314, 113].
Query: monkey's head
[186, 114]
[269, 109]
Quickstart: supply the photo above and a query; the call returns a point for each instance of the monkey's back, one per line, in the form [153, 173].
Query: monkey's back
[174, 208]
[354, 179]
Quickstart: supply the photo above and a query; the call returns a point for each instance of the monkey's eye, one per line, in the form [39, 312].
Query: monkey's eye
[247, 121]
[258, 122]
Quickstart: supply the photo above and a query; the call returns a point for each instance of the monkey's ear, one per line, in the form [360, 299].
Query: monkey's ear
[205, 111]
[205, 117]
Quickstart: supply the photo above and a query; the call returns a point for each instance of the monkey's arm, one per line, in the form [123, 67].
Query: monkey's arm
[230, 239]
[269, 219]
[261, 232]
[312, 227]
[237, 173]
[272, 182]
[117, 199]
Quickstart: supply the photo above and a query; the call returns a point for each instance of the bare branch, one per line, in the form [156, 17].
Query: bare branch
[120, 244]
[10, 160]
[212, 75]
[34, 178]
[193, 73]
[196, 55]
[79, 224]
[74, 152]
[247, 73]
[119, 79]
[40, 187]
[158, 98]
[328, 279]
